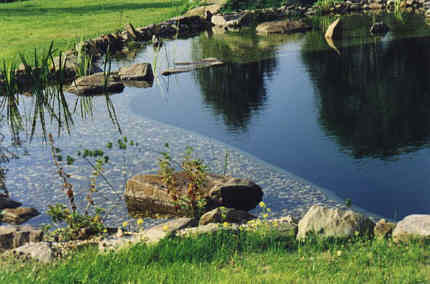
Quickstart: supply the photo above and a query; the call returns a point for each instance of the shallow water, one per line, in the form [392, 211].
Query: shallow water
[354, 124]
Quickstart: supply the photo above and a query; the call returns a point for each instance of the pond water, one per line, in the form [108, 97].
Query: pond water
[353, 121]
[357, 123]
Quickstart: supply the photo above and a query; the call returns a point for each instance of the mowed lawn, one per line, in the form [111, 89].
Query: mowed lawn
[30, 24]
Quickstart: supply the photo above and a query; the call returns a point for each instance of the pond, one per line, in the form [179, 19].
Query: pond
[352, 123]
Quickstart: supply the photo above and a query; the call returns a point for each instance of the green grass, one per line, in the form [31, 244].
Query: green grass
[35, 23]
[237, 258]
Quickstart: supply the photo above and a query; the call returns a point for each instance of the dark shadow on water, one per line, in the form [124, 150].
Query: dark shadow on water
[374, 98]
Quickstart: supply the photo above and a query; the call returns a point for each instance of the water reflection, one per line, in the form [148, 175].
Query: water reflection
[374, 98]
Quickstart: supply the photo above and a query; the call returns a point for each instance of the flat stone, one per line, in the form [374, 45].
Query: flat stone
[137, 72]
[337, 223]
[41, 251]
[412, 227]
[95, 85]
[282, 27]
[17, 215]
[16, 236]
[205, 229]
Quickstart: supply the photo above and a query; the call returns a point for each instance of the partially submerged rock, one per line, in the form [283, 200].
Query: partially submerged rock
[147, 193]
[283, 27]
[137, 72]
[16, 236]
[334, 30]
[223, 214]
[412, 227]
[17, 215]
[97, 84]
[190, 66]
[337, 223]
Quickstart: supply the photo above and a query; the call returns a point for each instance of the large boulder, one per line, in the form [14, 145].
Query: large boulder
[96, 85]
[283, 27]
[17, 215]
[412, 227]
[16, 236]
[336, 223]
[223, 214]
[147, 194]
[137, 72]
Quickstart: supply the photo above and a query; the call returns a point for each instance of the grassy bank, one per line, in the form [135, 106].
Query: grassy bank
[237, 258]
[34, 23]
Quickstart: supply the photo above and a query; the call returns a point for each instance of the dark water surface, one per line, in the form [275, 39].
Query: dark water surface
[356, 123]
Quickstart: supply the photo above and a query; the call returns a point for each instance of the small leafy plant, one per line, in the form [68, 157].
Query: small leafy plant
[193, 200]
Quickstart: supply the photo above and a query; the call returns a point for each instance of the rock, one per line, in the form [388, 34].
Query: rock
[379, 28]
[8, 203]
[146, 193]
[412, 227]
[150, 236]
[202, 11]
[338, 223]
[205, 229]
[133, 34]
[383, 229]
[204, 63]
[334, 30]
[41, 251]
[223, 214]
[137, 72]
[95, 85]
[375, 6]
[16, 236]
[282, 27]
[17, 215]
[232, 20]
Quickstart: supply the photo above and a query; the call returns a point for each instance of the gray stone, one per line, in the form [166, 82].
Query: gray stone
[151, 236]
[137, 72]
[223, 214]
[383, 229]
[412, 227]
[15, 236]
[95, 85]
[41, 251]
[337, 223]
[17, 215]
[202, 11]
[232, 20]
[206, 229]
[283, 27]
